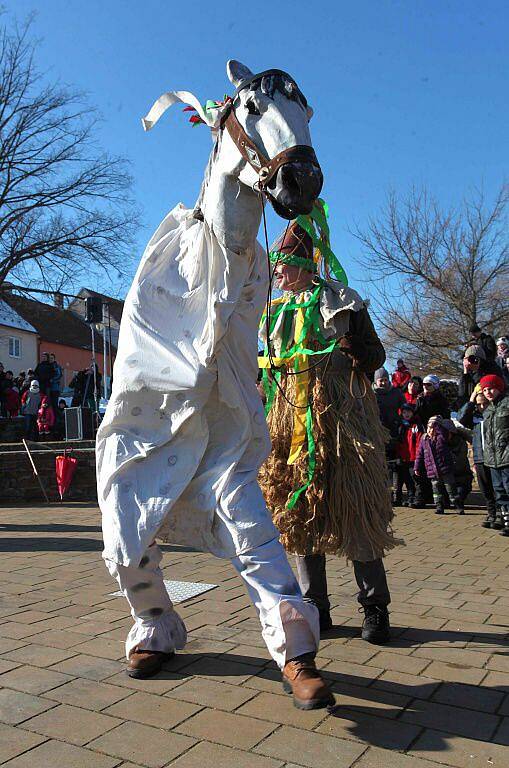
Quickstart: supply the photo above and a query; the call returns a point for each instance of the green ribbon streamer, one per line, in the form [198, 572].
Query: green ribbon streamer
[311, 323]
[318, 217]
[277, 257]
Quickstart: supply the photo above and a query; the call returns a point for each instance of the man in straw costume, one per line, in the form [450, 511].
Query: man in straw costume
[326, 479]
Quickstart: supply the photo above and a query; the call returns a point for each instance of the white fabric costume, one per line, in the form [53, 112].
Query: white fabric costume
[184, 435]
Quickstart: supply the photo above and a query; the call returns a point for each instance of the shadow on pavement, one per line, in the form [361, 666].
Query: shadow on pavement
[381, 714]
[65, 544]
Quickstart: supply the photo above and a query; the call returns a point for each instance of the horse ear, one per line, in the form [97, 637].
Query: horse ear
[237, 72]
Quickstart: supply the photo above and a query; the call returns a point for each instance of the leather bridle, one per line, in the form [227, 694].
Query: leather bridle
[265, 167]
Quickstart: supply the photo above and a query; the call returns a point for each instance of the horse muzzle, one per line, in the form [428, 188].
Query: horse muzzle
[293, 190]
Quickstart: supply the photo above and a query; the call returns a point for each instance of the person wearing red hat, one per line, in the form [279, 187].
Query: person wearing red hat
[326, 478]
[496, 441]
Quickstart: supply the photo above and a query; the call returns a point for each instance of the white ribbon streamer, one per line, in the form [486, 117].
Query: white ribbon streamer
[169, 98]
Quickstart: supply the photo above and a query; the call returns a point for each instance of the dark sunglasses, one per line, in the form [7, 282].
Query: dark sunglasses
[473, 359]
[428, 385]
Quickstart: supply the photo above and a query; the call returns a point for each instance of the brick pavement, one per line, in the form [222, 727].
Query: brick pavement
[437, 695]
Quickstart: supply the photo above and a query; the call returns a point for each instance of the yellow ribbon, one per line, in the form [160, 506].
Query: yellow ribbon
[298, 361]
[301, 393]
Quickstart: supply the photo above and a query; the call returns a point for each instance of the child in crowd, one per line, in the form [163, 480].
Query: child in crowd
[471, 416]
[413, 389]
[496, 441]
[409, 437]
[435, 461]
[458, 439]
[45, 416]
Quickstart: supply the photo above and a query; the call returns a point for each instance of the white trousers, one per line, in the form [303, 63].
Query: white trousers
[290, 626]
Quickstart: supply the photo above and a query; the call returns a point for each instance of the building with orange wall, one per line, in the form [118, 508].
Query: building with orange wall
[60, 332]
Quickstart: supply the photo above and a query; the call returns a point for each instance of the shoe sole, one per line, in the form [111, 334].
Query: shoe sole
[310, 703]
[140, 674]
[382, 640]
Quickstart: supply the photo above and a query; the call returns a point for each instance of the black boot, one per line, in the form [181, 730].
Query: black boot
[375, 627]
[491, 519]
[439, 510]
[505, 518]
[325, 621]
[498, 524]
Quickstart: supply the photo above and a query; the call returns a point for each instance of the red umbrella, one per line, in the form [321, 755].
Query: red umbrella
[65, 467]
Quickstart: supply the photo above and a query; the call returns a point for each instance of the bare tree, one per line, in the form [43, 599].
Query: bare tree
[65, 207]
[436, 272]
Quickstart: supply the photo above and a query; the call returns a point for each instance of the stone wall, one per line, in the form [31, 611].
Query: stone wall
[18, 482]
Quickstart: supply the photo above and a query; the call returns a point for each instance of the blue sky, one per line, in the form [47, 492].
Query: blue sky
[404, 92]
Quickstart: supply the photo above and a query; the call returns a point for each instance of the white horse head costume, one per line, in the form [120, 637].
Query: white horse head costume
[184, 434]
[270, 112]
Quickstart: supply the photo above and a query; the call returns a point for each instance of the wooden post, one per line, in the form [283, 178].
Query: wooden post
[35, 471]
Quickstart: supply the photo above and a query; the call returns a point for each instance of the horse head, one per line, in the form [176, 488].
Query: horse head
[270, 111]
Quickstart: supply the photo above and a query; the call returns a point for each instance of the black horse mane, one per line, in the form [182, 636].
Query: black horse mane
[270, 84]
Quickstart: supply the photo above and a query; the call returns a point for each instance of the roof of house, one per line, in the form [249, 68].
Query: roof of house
[115, 306]
[10, 318]
[53, 324]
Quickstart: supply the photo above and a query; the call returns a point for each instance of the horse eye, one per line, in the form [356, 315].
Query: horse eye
[252, 108]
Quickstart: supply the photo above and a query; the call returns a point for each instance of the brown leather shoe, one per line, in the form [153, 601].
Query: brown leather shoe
[144, 664]
[303, 680]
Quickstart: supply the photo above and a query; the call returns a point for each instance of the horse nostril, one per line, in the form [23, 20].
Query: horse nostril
[302, 180]
[291, 179]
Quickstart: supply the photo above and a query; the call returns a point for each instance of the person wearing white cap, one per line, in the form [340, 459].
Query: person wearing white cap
[29, 408]
[502, 351]
[431, 402]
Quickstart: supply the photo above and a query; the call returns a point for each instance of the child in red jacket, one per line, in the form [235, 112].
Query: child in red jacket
[409, 437]
[45, 416]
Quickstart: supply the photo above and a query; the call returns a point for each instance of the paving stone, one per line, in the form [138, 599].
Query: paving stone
[469, 696]
[463, 722]
[15, 741]
[212, 693]
[55, 753]
[232, 730]
[409, 665]
[33, 679]
[370, 730]
[455, 672]
[161, 683]
[159, 711]
[143, 744]
[91, 667]
[447, 749]
[280, 709]
[38, 655]
[220, 669]
[6, 666]
[311, 749]
[378, 758]
[15, 706]
[77, 726]
[371, 700]
[102, 647]
[212, 755]
[502, 734]
[89, 694]
[411, 686]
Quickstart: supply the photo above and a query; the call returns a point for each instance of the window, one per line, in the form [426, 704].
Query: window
[14, 346]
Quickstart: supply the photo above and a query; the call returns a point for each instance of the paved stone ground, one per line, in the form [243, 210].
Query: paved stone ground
[438, 694]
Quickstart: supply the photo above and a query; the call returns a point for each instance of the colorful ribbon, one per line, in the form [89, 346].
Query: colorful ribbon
[306, 313]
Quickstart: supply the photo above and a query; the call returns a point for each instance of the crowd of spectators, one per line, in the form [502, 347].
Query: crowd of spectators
[431, 423]
[35, 395]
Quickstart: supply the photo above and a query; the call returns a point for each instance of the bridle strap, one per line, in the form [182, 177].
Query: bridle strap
[265, 167]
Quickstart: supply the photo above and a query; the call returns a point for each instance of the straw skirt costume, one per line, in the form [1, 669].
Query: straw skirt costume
[346, 509]
[184, 435]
